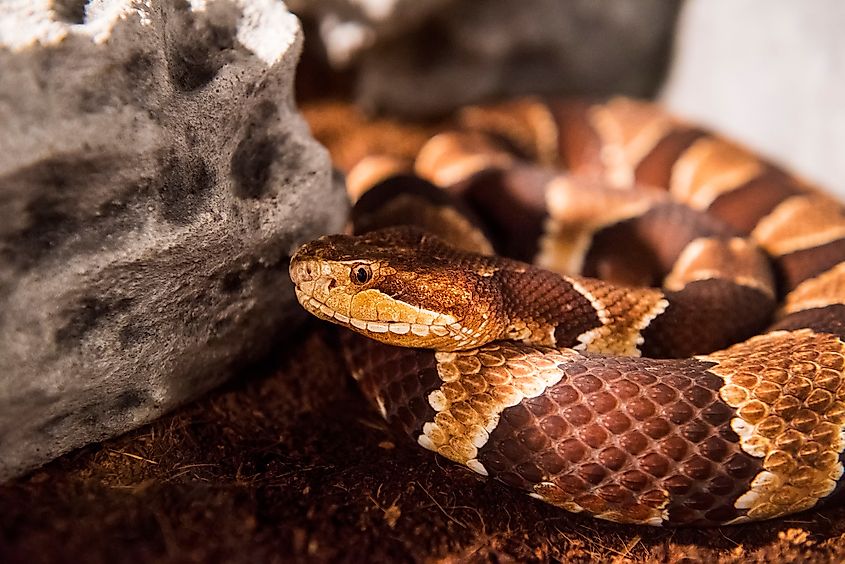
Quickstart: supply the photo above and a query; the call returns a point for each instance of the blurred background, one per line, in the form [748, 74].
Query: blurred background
[766, 72]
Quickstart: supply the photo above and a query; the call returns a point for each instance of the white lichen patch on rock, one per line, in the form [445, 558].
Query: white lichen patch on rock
[26, 23]
[266, 27]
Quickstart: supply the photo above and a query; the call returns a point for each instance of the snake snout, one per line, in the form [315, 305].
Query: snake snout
[311, 279]
[302, 271]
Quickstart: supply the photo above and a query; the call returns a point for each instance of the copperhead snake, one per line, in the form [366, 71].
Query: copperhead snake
[673, 356]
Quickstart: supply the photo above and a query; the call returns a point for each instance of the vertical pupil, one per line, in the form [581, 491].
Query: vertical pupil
[362, 275]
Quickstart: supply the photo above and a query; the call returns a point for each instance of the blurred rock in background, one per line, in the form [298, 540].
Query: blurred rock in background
[348, 28]
[770, 73]
[424, 58]
[155, 175]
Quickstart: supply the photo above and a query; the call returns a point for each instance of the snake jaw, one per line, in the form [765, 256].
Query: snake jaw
[323, 289]
[440, 332]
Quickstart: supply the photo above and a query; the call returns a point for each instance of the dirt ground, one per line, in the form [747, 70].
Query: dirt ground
[290, 464]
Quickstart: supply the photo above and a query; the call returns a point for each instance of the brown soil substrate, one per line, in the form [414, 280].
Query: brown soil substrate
[294, 465]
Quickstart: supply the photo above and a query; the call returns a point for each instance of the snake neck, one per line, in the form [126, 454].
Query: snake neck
[542, 307]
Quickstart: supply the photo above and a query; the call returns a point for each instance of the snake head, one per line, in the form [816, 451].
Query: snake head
[400, 286]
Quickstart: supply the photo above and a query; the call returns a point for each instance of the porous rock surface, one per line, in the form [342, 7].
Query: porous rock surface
[449, 53]
[769, 73]
[154, 178]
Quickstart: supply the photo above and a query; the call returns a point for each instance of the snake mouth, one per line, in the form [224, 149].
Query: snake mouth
[314, 285]
[400, 328]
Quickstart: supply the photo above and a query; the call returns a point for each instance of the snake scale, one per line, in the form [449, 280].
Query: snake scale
[673, 356]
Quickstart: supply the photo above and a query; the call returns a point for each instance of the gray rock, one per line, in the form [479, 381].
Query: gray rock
[154, 177]
[476, 50]
[770, 73]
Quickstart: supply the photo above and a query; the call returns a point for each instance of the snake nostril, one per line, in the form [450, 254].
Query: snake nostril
[332, 284]
[303, 272]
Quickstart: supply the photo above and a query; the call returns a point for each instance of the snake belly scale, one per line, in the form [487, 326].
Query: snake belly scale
[664, 347]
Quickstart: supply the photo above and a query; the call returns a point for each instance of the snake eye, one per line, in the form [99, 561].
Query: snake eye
[360, 274]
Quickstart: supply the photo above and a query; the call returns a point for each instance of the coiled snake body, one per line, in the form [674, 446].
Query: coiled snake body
[600, 396]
